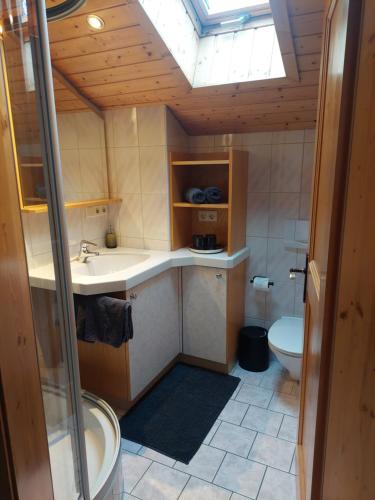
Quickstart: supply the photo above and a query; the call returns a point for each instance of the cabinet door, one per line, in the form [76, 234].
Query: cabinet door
[156, 340]
[204, 293]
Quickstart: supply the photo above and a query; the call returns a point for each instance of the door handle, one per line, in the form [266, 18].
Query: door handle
[294, 270]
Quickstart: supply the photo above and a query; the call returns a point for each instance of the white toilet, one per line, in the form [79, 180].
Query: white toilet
[285, 338]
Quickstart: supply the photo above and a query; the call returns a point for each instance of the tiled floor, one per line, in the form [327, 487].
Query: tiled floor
[248, 454]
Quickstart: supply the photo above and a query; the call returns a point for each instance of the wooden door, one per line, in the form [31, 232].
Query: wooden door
[349, 468]
[334, 120]
[204, 298]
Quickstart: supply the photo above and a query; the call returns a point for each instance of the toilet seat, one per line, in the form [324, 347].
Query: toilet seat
[286, 336]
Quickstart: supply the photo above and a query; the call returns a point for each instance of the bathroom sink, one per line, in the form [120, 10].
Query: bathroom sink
[107, 263]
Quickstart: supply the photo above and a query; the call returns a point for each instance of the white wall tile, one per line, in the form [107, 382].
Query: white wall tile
[93, 172]
[288, 136]
[127, 170]
[310, 135]
[161, 245]
[257, 214]
[259, 170]
[124, 128]
[255, 302]
[155, 216]
[280, 300]
[130, 216]
[152, 126]
[304, 207]
[279, 260]
[255, 138]
[307, 167]
[154, 169]
[286, 168]
[90, 130]
[257, 262]
[283, 206]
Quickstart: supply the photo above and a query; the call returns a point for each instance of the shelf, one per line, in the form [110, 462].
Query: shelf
[207, 206]
[32, 165]
[192, 163]
[37, 209]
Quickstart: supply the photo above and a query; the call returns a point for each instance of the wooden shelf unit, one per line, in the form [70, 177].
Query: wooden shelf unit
[226, 170]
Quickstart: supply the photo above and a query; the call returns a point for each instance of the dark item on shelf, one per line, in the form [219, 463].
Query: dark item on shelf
[213, 194]
[199, 241]
[253, 352]
[210, 241]
[195, 195]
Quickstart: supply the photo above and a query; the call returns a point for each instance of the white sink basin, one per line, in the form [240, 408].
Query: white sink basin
[107, 263]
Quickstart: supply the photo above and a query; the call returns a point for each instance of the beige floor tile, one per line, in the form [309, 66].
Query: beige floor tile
[233, 412]
[284, 403]
[271, 451]
[240, 475]
[278, 485]
[235, 439]
[156, 457]
[204, 464]
[262, 420]
[196, 489]
[133, 467]
[160, 483]
[289, 428]
[254, 395]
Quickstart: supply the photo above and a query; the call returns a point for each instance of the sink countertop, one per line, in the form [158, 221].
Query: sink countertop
[158, 262]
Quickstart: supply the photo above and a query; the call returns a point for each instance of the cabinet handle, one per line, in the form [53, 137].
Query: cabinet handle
[133, 295]
[219, 276]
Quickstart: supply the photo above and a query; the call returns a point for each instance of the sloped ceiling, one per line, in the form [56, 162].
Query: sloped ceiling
[127, 64]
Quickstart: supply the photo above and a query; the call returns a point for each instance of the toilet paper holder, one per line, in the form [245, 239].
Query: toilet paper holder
[270, 283]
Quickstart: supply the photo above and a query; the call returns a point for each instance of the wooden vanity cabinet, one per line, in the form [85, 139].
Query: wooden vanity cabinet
[204, 313]
[212, 315]
[121, 375]
[157, 338]
[211, 309]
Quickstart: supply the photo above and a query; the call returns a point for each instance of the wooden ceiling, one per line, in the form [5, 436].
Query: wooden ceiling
[128, 64]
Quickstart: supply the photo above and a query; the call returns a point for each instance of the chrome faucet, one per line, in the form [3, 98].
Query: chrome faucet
[84, 252]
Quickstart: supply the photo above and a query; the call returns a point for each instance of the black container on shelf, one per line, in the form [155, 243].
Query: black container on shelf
[253, 352]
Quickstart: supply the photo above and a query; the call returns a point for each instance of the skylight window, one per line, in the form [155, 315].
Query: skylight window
[219, 6]
[212, 12]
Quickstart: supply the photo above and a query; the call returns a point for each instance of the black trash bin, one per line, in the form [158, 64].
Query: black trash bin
[253, 354]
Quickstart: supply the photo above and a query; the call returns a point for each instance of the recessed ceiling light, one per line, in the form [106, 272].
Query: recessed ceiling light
[95, 22]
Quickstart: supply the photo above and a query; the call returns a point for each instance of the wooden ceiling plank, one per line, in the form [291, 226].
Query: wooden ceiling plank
[309, 44]
[85, 101]
[100, 42]
[284, 34]
[108, 59]
[298, 7]
[114, 18]
[307, 24]
[124, 73]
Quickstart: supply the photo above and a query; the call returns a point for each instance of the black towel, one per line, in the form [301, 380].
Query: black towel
[100, 318]
[195, 195]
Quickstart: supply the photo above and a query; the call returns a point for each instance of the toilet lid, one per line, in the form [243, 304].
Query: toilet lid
[286, 335]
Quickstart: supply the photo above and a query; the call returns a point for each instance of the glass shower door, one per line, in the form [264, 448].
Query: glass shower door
[31, 112]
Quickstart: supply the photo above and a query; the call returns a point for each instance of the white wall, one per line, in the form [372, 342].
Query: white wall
[138, 142]
[279, 188]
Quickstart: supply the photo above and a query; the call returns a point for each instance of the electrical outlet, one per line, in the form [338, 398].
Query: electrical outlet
[96, 211]
[207, 216]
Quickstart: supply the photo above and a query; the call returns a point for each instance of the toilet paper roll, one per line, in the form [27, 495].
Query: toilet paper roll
[261, 284]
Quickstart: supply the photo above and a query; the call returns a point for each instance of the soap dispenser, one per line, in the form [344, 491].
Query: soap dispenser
[110, 238]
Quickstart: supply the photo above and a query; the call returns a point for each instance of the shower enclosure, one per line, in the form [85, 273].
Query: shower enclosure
[82, 431]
